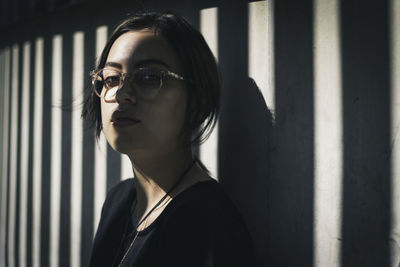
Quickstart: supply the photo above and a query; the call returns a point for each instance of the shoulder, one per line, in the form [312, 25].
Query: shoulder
[206, 201]
[119, 199]
[121, 192]
[123, 188]
[205, 224]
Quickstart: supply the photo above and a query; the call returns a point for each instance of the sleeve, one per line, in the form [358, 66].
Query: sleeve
[200, 239]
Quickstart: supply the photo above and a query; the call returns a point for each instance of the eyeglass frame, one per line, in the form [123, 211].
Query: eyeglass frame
[124, 75]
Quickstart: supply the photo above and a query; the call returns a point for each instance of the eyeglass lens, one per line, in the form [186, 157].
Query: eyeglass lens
[147, 82]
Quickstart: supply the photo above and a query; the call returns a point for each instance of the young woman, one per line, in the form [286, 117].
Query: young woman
[155, 94]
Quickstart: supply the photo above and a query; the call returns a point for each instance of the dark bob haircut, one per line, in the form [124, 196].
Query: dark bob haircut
[199, 69]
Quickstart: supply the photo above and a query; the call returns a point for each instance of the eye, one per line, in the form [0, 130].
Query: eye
[148, 78]
[111, 81]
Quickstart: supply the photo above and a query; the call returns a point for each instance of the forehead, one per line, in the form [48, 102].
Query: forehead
[138, 48]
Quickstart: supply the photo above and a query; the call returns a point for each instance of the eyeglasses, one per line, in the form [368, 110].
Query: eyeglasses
[146, 81]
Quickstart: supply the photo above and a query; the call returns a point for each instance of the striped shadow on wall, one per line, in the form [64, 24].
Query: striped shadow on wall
[306, 146]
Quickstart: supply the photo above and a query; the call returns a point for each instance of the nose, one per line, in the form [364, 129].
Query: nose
[125, 93]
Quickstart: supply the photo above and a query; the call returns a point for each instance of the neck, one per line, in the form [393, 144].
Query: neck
[156, 173]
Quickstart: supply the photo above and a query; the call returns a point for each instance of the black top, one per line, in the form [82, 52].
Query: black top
[198, 228]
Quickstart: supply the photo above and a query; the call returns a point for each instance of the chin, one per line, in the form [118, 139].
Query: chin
[120, 144]
[128, 143]
[123, 147]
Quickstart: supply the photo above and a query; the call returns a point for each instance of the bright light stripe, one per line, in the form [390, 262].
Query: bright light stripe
[395, 135]
[328, 134]
[76, 150]
[209, 29]
[101, 40]
[56, 133]
[5, 127]
[1, 122]
[100, 179]
[126, 167]
[13, 156]
[1, 114]
[23, 208]
[261, 49]
[37, 153]
[100, 164]
[2, 127]
[2, 178]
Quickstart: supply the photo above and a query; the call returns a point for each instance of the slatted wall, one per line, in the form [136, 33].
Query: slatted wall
[307, 144]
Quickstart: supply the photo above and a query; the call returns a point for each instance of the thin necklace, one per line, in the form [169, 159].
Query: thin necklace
[154, 207]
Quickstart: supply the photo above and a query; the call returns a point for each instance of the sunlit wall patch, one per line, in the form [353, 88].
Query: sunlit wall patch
[328, 146]
[37, 152]
[13, 156]
[395, 131]
[209, 29]
[77, 147]
[100, 154]
[126, 167]
[56, 135]
[261, 48]
[24, 160]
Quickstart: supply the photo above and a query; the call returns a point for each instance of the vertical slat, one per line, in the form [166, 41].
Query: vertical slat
[2, 126]
[13, 157]
[66, 126]
[328, 134]
[56, 124]
[261, 95]
[88, 158]
[395, 135]
[24, 153]
[100, 179]
[261, 47]
[1, 109]
[100, 164]
[209, 29]
[290, 180]
[365, 63]
[5, 158]
[77, 144]
[29, 215]
[37, 152]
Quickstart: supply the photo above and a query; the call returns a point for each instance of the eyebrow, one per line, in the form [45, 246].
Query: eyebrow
[151, 61]
[113, 64]
[138, 64]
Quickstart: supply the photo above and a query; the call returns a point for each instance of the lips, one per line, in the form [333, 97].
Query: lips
[123, 119]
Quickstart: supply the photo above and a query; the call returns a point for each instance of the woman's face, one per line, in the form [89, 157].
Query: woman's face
[132, 122]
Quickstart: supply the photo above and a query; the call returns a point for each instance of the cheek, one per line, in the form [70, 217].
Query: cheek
[170, 115]
[103, 112]
[105, 116]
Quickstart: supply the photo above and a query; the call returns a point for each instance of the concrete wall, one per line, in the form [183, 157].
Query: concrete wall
[307, 143]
